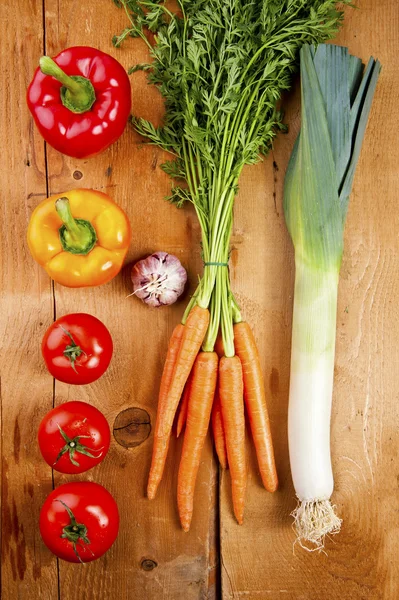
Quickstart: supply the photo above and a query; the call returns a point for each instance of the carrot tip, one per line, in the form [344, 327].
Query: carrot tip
[185, 522]
[151, 493]
[239, 515]
[271, 488]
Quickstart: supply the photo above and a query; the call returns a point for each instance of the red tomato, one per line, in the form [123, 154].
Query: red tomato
[79, 521]
[74, 437]
[77, 348]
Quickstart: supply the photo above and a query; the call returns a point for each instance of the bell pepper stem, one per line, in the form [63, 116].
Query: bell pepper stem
[49, 67]
[63, 209]
[77, 92]
[77, 236]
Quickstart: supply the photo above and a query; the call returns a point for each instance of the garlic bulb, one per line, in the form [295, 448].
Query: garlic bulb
[159, 279]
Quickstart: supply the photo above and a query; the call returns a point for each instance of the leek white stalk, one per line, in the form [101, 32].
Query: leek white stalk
[311, 387]
[312, 367]
[336, 101]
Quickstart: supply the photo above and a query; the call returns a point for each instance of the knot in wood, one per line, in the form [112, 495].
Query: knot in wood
[148, 565]
[132, 427]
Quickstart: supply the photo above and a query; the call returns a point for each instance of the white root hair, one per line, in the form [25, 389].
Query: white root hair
[313, 520]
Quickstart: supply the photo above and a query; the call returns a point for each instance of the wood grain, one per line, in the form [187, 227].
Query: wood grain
[149, 530]
[258, 559]
[152, 558]
[26, 304]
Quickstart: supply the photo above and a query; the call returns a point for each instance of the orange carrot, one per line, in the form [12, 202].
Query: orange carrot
[232, 403]
[202, 391]
[255, 401]
[217, 419]
[218, 431]
[170, 361]
[171, 356]
[192, 338]
[219, 349]
[182, 418]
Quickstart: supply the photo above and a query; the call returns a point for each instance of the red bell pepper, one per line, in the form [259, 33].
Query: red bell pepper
[80, 101]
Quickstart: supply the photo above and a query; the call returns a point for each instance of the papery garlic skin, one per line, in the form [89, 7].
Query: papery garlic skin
[159, 279]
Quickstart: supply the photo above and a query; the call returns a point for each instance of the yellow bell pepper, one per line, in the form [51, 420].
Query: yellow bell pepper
[81, 237]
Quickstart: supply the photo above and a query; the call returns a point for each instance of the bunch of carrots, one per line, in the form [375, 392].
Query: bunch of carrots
[212, 387]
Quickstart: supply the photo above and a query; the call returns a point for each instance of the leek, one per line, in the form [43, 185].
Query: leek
[336, 99]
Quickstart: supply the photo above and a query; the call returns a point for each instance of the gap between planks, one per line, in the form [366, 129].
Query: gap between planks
[46, 171]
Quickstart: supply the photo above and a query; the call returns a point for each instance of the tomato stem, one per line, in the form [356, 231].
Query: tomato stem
[74, 531]
[72, 351]
[73, 445]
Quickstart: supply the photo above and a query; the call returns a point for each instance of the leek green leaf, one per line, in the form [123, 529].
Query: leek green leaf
[336, 102]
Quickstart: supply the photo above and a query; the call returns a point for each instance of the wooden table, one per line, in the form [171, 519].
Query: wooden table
[153, 558]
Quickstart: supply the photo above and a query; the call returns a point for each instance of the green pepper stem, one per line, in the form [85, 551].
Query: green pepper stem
[63, 209]
[77, 236]
[77, 92]
[49, 67]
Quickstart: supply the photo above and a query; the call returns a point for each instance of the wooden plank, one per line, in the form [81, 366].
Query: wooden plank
[26, 306]
[258, 561]
[178, 565]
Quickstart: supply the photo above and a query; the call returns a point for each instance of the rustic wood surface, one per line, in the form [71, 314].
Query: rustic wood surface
[152, 558]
